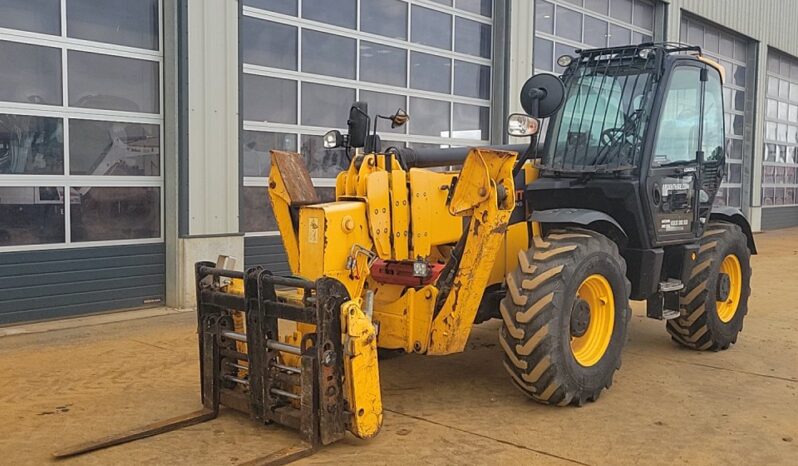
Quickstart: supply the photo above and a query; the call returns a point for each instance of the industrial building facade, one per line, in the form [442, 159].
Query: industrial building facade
[135, 135]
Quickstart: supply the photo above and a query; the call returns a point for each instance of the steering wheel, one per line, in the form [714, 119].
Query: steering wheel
[626, 138]
[612, 136]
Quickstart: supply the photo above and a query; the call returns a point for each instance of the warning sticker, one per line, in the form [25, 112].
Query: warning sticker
[313, 230]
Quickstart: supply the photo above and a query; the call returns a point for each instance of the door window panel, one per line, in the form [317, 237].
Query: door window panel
[256, 210]
[328, 54]
[256, 146]
[43, 16]
[269, 99]
[121, 22]
[286, 7]
[326, 106]
[619, 36]
[337, 12]
[321, 162]
[35, 76]
[430, 72]
[472, 38]
[113, 83]
[677, 136]
[114, 148]
[384, 104]
[471, 80]
[569, 24]
[595, 32]
[480, 7]
[599, 6]
[643, 15]
[31, 215]
[544, 54]
[429, 117]
[115, 213]
[383, 64]
[470, 122]
[621, 9]
[431, 27]
[267, 43]
[384, 17]
[31, 145]
[544, 16]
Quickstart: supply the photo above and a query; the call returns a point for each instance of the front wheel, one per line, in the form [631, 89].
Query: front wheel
[565, 317]
[714, 301]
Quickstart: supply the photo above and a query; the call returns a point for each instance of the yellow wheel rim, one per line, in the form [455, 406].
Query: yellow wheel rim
[588, 348]
[728, 307]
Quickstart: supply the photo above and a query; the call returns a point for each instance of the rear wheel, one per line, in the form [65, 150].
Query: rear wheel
[714, 301]
[565, 317]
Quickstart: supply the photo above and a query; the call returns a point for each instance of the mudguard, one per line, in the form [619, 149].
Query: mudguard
[735, 215]
[585, 217]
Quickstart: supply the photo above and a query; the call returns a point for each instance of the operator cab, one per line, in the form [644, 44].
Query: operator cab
[640, 138]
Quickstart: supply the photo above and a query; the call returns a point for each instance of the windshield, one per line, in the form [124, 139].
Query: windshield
[602, 123]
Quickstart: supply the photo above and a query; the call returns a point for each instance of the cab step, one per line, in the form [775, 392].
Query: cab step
[665, 304]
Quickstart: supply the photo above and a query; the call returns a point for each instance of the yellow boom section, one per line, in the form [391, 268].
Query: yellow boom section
[485, 193]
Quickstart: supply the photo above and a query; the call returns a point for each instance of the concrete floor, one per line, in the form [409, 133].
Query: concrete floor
[667, 406]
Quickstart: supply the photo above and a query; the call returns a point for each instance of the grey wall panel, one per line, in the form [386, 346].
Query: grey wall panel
[266, 251]
[779, 217]
[769, 21]
[37, 285]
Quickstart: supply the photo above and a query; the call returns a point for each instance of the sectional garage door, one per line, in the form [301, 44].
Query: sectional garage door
[561, 26]
[732, 51]
[80, 157]
[780, 163]
[305, 63]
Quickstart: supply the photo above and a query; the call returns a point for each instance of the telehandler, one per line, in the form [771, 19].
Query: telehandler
[616, 204]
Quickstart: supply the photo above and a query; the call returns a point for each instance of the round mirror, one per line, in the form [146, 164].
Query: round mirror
[542, 95]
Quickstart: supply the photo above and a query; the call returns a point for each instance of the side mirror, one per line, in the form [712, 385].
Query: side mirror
[399, 118]
[358, 124]
[542, 95]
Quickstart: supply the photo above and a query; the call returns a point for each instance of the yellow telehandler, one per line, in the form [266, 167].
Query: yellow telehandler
[552, 239]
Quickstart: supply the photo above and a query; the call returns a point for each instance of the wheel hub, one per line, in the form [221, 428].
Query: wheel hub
[724, 287]
[580, 318]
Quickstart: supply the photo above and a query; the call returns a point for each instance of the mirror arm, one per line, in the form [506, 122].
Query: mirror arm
[526, 155]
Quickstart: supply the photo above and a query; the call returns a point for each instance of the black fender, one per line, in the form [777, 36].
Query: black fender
[735, 216]
[588, 218]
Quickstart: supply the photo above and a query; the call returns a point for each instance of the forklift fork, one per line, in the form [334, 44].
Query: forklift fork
[308, 398]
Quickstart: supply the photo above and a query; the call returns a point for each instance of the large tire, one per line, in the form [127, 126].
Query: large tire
[541, 353]
[706, 323]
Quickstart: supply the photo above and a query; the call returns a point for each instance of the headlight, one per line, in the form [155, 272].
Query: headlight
[521, 125]
[565, 60]
[332, 139]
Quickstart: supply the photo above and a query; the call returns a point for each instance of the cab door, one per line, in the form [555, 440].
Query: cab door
[713, 141]
[672, 186]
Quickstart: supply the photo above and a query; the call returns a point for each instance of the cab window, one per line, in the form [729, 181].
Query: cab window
[677, 136]
[713, 138]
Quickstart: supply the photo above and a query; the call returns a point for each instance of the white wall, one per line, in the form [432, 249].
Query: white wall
[213, 122]
[213, 147]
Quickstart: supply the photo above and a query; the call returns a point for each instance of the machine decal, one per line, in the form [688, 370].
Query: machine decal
[675, 211]
[313, 230]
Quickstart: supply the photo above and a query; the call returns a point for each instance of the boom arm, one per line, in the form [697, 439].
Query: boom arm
[484, 192]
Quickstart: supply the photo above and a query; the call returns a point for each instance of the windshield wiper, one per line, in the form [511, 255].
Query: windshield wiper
[675, 163]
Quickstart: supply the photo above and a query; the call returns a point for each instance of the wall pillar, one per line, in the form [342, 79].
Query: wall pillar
[203, 81]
